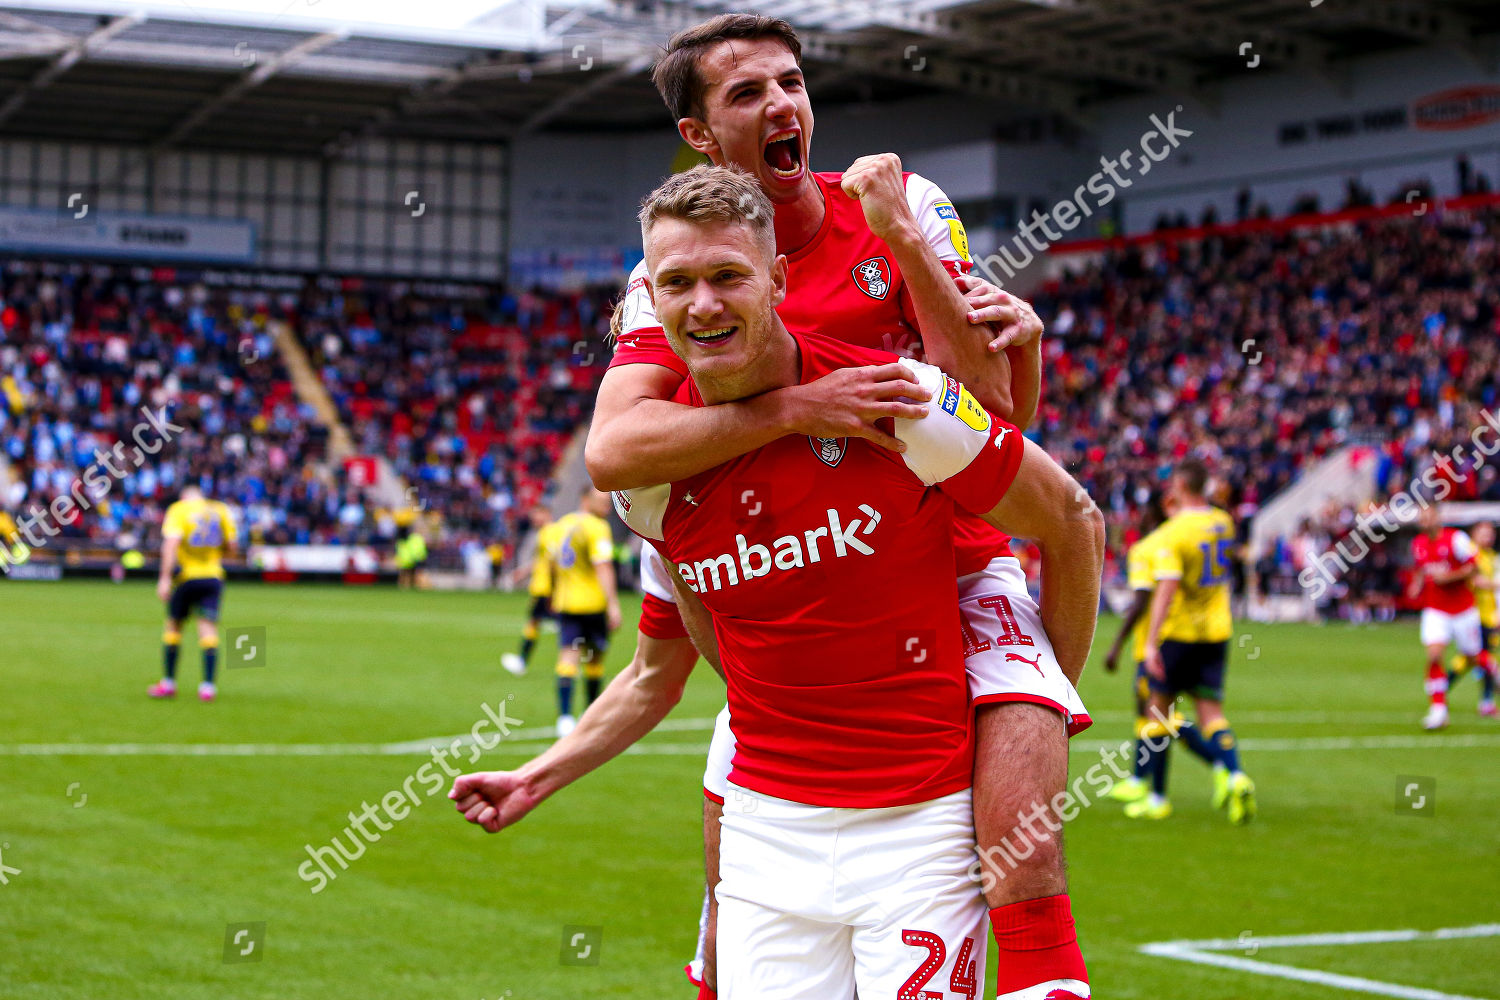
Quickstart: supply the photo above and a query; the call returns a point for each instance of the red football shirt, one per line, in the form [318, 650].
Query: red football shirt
[1451, 549]
[843, 284]
[829, 569]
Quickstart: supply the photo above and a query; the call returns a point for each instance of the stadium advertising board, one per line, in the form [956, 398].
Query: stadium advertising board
[77, 231]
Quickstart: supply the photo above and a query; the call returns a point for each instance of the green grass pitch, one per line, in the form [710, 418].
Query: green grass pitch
[125, 872]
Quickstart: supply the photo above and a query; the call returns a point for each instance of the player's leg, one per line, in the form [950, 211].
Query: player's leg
[516, 663]
[1238, 791]
[1491, 669]
[1134, 788]
[1153, 743]
[713, 812]
[1158, 730]
[179, 607]
[171, 645]
[1468, 636]
[1436, 632]
[1020, 767]
[208, 636]
[1025, 711]
[595, 645]
[569, 652]
[715, 787]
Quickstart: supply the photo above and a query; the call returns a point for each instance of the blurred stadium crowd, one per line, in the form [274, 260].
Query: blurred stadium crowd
[1265, 351]
[1260, 351]
[472, 403]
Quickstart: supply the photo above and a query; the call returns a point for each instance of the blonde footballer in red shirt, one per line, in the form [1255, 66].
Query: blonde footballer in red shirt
[873, 255]
[1443, 565]
[845, 732]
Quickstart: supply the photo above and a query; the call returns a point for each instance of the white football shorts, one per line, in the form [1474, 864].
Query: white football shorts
[818, 903]
[1006, 650]
[1440, 628]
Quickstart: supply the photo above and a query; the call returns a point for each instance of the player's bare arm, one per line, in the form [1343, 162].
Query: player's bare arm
[1442, 577]
[168, 567]
[606, 573]
[640, 438]
[1019, 336]
[1161, 602]
[942, 312]
[629, 708]
[1047, 505]
[697, 619]
[1140, 601]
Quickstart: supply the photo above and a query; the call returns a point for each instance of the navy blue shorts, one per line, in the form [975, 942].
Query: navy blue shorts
[589, 632]
[1195, 668]
[541, 608]
[202, 594]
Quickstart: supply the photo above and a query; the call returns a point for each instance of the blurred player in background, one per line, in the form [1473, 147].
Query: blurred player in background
[1140, 562]
[1187, 645]
[1484, 583]
[411, 553]
[540, 589]
[1443, 567]
[196, 534]
[584, 599]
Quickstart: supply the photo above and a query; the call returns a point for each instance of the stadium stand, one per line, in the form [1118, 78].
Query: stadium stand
[1261, 346]
[473, 408]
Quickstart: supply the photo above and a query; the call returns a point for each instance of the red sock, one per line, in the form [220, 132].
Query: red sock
[1037, 944]
[704, 993]
[1437, 682]
[1486, 661]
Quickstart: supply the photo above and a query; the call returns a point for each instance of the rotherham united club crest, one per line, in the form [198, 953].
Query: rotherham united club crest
[829, 450]
[873, 277]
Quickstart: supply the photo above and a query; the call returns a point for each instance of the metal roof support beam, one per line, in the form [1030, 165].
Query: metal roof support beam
[600, 81]
[1046, 48]
[257, 76]
[66, 59]
[954, 74]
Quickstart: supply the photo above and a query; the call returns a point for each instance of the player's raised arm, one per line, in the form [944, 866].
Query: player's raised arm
[949, 340]
[629, 708]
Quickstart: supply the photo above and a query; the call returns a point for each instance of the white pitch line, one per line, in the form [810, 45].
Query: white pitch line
[1203, 953]
[539, 738]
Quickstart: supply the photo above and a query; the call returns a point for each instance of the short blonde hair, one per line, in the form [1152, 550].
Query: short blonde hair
[712, 194]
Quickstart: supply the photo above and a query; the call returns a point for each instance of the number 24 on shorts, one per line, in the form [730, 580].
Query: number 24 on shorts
[963, 980]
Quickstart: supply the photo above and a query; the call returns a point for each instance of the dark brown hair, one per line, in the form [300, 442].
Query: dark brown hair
[1194, 476]
[676, 73]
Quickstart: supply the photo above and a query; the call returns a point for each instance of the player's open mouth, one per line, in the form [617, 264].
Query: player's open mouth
[783, 154]
[715, 336]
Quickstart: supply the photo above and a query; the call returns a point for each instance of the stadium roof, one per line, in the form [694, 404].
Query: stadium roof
[311, 76]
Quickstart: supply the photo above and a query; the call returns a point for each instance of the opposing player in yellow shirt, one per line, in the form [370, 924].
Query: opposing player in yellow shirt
[1484, 583]
[540, 590]
[1187, 644]
[196, 534]
[584, 599]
